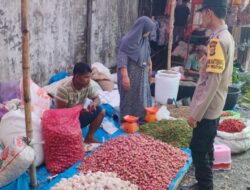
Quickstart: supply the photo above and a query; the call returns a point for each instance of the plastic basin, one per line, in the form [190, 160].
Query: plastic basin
[232, 98]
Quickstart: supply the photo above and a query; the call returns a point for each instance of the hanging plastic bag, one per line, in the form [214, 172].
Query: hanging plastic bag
[163, 113]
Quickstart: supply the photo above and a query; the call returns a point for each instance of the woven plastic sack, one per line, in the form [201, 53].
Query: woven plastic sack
[236, 146]
[13, 125]
[237, 142]
[15, 159]
[40, 100]
[63, 138]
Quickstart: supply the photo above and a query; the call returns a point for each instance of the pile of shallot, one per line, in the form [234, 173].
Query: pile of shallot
[63, 138]
[148, 163]
[94, 181]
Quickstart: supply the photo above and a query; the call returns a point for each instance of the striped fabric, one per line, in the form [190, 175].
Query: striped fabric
[68, 94]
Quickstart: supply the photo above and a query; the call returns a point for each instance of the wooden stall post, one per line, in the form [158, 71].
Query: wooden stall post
[171, 29]
[26, 82]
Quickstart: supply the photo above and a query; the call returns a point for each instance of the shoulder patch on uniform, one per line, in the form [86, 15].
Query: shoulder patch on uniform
[215, 57]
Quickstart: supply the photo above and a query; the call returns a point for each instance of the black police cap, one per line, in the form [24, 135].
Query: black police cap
[211, 4]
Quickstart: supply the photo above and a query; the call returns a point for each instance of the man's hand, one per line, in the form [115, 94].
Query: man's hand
[126, 82]
[92, 107]
[84, 111]
[192, 122]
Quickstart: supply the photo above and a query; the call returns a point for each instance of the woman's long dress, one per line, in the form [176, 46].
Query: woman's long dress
[138, 97]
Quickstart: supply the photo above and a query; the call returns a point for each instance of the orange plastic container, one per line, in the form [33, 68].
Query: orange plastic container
[151, 114]
[130, 125]
[130, 118]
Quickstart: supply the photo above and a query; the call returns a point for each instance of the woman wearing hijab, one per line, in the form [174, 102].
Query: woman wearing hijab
[134, 69]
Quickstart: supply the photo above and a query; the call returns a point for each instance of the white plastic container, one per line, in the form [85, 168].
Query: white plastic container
[166, 85]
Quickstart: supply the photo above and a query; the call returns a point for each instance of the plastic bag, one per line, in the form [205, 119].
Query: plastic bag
[59, 76]
[109, 126]
[163, 113]
[40, 101]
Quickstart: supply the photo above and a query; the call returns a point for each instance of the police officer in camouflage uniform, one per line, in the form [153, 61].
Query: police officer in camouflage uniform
[211, 91]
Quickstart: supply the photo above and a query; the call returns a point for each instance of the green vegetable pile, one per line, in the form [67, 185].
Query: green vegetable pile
[174, 132]
[245, 99]
[235, 76]
[246, 79]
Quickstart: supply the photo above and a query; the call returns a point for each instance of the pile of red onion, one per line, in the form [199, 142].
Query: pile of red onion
[148, 163]
[63, 138]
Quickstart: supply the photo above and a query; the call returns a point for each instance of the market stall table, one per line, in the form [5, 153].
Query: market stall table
[186, 89]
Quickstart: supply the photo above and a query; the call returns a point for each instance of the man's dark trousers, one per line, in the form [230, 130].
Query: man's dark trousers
[202, 152]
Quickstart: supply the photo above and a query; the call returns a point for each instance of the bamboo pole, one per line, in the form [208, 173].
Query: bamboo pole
[89, 29]
[171, 29]
[26, 81]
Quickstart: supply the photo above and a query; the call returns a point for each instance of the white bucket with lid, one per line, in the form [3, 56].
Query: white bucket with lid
[166, 85]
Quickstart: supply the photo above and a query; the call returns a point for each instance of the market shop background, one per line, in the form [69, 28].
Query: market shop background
[59, 34]
[63, 32]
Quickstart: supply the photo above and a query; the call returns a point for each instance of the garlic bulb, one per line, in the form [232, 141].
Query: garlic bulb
[94, 181]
